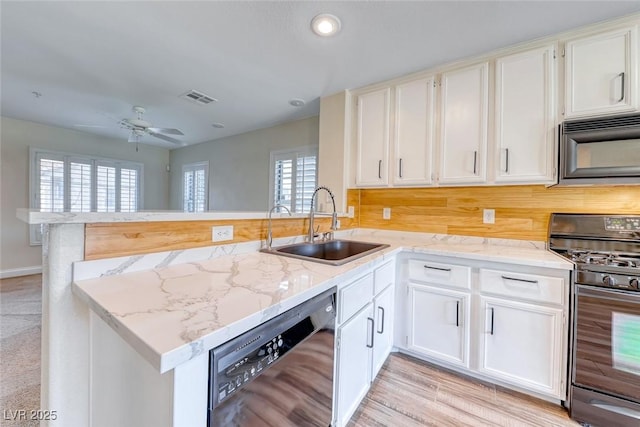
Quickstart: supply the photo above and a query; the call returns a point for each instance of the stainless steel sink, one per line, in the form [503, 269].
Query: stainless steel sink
[332, 252]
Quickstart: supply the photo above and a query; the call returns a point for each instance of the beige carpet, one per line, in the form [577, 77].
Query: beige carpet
[20, 322]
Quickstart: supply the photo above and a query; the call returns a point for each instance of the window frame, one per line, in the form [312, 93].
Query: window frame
[36, 154]
[187, 167]
[294, 154]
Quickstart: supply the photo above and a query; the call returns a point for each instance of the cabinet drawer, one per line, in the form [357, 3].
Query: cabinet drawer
[457, 276]
[384, 276]
[355, 296]
[526, 286]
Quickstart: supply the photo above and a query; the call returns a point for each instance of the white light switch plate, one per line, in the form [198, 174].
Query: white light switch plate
[351, 212]
[386, 213]
[489, 216]
[222, 233]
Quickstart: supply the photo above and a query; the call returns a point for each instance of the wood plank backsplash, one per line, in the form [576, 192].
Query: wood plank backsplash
[108, 240]
[522, 212]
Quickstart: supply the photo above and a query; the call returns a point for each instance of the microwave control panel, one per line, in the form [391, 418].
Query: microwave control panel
[622, 224]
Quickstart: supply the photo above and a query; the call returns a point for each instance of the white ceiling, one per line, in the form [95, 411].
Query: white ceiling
[92, 61]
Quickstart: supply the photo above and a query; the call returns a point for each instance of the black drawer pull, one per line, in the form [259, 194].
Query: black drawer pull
[437, 268]
[519, 280]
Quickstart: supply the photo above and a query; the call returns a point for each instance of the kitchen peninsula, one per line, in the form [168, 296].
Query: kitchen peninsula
[126, 339]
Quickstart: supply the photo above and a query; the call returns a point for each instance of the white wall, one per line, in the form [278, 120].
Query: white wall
[239, 165]
[17, 136]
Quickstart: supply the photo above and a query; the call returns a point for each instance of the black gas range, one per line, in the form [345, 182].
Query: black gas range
[605, 379]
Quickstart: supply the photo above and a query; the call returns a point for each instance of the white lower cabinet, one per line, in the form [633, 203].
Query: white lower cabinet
[354, 363]
[502, 322]
[438, 323]
[383, 335]
[364, 339]
[521, 343]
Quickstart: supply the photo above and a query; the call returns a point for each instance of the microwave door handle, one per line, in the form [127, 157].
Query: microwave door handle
[621, 75]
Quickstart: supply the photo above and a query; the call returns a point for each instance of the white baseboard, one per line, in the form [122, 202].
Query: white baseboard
[24, 271]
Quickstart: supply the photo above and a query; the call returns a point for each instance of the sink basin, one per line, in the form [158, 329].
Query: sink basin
[332, 252]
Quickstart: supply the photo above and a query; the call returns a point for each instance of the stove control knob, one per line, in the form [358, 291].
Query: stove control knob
[634, 283]
[609, 281]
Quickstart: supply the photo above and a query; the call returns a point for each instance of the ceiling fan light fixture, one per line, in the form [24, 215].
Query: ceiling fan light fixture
[325, 25]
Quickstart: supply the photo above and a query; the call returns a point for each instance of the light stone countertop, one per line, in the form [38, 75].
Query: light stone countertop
[172, 314]
[32, 216]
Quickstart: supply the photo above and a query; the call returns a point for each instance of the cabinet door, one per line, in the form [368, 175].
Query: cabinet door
[522, 344]
[601, 73]
[525, 117]
[413, 139]
[383, 338]
[373, 139]
[354, 363]
[438, 323]
[463, 138]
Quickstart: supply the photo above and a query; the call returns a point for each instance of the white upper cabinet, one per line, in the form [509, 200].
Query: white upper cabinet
[525, 117]
[372, 164]
[601, 73]
[413, 136]
[463, 128]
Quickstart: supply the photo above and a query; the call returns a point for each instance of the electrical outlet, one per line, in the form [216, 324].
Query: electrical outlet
[351, 212]
[489, 216]
[386, 213]
[222, 233]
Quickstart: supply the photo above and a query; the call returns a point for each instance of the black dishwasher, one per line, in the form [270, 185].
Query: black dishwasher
[279, 373]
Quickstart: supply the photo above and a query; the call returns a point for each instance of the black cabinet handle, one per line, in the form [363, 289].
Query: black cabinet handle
[519, 280]
[380, 169]
[437, 268]
[475, 162]
[506, 166]
[457, 314]
[381, 330]
[491, 320]
[400, 168]
[369, 319]
[621, 88]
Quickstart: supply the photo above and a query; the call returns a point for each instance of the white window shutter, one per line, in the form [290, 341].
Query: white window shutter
[294, 178]
[195, 180]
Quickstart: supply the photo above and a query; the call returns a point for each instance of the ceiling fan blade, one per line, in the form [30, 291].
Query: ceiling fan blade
[165, 138]
[168, 131]
[89, 126]
[125, 124]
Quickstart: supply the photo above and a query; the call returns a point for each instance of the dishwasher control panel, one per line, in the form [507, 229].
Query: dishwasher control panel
[243, 371]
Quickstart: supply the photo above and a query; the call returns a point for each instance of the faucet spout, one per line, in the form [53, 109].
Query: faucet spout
[269, 236]
[334, 215]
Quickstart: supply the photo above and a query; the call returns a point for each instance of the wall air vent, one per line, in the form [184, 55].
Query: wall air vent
[198, 97]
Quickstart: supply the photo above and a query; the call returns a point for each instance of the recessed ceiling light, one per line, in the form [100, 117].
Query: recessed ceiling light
[325, 25]
[217, 125]
[296, 102]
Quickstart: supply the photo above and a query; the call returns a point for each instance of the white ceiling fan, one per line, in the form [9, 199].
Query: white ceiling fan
[140, 127]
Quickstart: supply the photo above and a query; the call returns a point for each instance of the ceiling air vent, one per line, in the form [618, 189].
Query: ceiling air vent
[198, 97]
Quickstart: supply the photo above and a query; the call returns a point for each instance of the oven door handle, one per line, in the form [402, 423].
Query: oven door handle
[610, 294]
[627, 412]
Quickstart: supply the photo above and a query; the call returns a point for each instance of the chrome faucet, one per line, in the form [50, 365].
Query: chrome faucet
[269, 236]
[334, 217]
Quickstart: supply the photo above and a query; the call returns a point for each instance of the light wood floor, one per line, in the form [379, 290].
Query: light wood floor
[409, 392]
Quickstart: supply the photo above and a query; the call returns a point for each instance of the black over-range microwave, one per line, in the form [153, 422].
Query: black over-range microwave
[604, 150]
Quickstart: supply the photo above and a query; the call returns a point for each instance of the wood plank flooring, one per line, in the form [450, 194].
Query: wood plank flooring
[409, 392]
